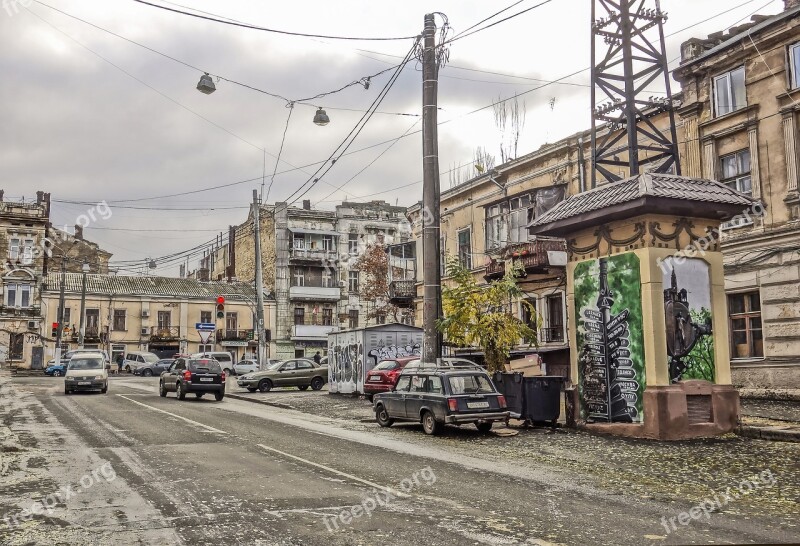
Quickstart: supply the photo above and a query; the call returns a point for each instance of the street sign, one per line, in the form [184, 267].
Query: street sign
[204, 335]
[205, 326]
[618, 319]
[591, 314]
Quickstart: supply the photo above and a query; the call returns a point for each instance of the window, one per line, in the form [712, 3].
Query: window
[231, 321]
[205, 348]
[555, 318]
[18, 295]
[528, 313]
[465, 248]
[729, 92]
[13, 248]
[794, 65]
[353, 316]
[496, 227]
[164, 319]
[66, 315]
[289, 366]
[205, 317]
[736, 171]
[298, 276]
[299, 315]
[119, 319]
[403, 384]
[352, 243]
[327, 317]
[352, 281]
[746, 338]
[380, 318]
[518, 218]
[327, 243]
[299, 241]
[303, 365]
[327, 278]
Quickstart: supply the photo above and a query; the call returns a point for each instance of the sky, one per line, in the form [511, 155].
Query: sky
[91, 117]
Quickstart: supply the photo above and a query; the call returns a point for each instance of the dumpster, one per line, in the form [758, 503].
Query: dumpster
[531, 399]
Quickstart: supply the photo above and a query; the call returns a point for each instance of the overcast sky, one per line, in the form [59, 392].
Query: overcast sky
[80, 128]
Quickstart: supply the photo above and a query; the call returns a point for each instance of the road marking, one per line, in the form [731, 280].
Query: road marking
[338, 472]
[211, 429]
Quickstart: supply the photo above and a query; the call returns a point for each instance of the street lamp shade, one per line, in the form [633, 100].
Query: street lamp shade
[206, 84]
[152, 264]
[321, 118]
[85, 267]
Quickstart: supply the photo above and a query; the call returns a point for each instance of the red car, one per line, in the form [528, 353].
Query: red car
[383, 377]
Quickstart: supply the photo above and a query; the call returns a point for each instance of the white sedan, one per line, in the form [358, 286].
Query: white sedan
[246, 366]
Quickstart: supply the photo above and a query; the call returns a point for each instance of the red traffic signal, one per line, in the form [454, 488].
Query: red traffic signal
[220, 300]
[220, 307]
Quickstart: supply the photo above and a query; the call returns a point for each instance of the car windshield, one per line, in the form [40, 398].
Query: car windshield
[470, 384]
[204, 364]
[150, 359]
[85, 364]
[275, 365]
[386, 365]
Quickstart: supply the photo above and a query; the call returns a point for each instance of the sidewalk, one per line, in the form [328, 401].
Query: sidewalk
[770, 419]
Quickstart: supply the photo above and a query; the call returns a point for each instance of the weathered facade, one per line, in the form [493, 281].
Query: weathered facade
[740, 113]
[77, 251]
[157, 314]
[23, 228]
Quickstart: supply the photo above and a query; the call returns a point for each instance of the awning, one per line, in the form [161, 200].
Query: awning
[314, 231]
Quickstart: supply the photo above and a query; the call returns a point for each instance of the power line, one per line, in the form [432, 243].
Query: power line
[462, 36]
[264, 29]
[280, 150]
[490, 17]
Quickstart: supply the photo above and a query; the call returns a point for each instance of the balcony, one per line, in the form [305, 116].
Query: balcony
[311, 332]
[161, 333]
[552, 335]
[533, 256]
[314, 293]
[20, 311]
[311, 255]
[402, 293]
[235, 335]
[494, 270]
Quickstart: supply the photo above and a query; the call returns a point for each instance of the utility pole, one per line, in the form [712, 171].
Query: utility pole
[431, 247]
[81, 331]
[60, 329]
[259, 282]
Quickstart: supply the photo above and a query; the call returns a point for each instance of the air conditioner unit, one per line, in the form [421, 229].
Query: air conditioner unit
[33, 325]
[144, 331]
[145, 313]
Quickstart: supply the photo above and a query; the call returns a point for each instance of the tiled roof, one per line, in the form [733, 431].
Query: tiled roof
[152, 286]
[644, 185]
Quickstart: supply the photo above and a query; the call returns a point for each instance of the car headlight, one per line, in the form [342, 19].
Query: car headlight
[98, 377]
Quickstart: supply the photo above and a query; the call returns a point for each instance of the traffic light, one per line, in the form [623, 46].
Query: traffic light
[220, 307]
[54, 332]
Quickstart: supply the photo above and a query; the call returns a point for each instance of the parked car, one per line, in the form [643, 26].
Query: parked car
[454, 392]
[250, 365]
[383, 377]
[223, 357]
[138, 359]
[60, 369]
[193, 375]
[86, 372]
[299, 372]
[154, 368]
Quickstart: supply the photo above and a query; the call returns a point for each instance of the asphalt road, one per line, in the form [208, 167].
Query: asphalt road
[235, 472]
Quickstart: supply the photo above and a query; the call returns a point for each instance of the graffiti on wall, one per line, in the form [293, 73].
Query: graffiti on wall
[346, 361]
[389, 352]
[611, 372]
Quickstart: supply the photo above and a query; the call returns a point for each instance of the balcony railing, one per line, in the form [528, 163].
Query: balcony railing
[164, 332]
[495, 270]
[314, 293]
[401, 293]
[235, 335]
[91, 333]
[552, 335]
[311, 254]
[533, 255]
[21, 311]
[311, 331]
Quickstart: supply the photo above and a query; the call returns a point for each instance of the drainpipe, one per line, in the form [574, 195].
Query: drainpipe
[581, 166]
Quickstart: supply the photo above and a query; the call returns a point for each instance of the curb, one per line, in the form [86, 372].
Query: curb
[263, 402]
[792, 395]
[768, 433]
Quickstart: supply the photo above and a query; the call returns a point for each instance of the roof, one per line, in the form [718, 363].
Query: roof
[646, 192]
[152, 286]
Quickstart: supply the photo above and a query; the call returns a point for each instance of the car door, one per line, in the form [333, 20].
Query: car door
[285, 375]
[416, 396]
[163, 366]
[396, 400]
[171, 378]
[305, 370]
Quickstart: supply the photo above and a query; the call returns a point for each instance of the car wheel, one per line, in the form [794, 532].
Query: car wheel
[317, 383]
[57, 373]
[229, 372]
[127, 369]
[483, 426]
[265, 385]
[252, 389]
[179, 391]
[199, 394]
[104, 390]
[303, 387]
[219, 395]
[162, 390]
[382, 416]
[147, 373]
[429, 424]
[67, 391]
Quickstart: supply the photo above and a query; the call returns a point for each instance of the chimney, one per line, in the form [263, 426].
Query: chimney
[789, 4]
[307, 202]
[1, 195]
[39, 197]
[79, 232]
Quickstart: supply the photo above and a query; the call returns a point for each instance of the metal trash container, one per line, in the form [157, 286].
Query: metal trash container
[542, 396]
[510, 385]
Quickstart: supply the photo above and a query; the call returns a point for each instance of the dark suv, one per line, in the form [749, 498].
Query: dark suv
[197, 375]
[437, 394]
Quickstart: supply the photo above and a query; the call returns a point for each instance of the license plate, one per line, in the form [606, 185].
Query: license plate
[374, 378]
[84, 382]
[206, 379]
[477, 405]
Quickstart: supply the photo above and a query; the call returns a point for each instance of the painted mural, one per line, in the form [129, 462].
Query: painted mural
[387, 352]
[687, 308]
[611, 368]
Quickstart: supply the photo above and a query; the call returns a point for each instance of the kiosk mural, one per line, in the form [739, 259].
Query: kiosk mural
[608, 306]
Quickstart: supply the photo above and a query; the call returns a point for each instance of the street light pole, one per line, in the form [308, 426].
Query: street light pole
[60, 329]
[259, 282]
[81, 332]
[431, 229]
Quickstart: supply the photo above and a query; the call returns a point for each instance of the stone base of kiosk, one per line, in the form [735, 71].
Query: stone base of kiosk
[689, 409]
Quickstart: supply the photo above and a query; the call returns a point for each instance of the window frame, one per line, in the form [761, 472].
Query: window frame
[793, 52]
[352, 317]
[728, 76]
[464, 252]
[353, 281]
[298, 276]
[748, 314]
[299, 313]
[116, 316]
[17, 289]
[352, 244]
[740, 173]
[327, 316]
[161, 324]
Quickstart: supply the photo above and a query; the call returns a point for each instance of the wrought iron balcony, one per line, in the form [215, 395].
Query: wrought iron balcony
[401, 293]
[533, 255]
[495, 270]
[552, 335]
[163, 332]
[235, 335]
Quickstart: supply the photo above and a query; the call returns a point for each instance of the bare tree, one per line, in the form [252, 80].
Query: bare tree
[509, 117]
[374, 264]
[482, 161]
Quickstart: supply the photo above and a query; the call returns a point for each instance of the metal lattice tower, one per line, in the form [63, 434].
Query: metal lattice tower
[628, 55]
